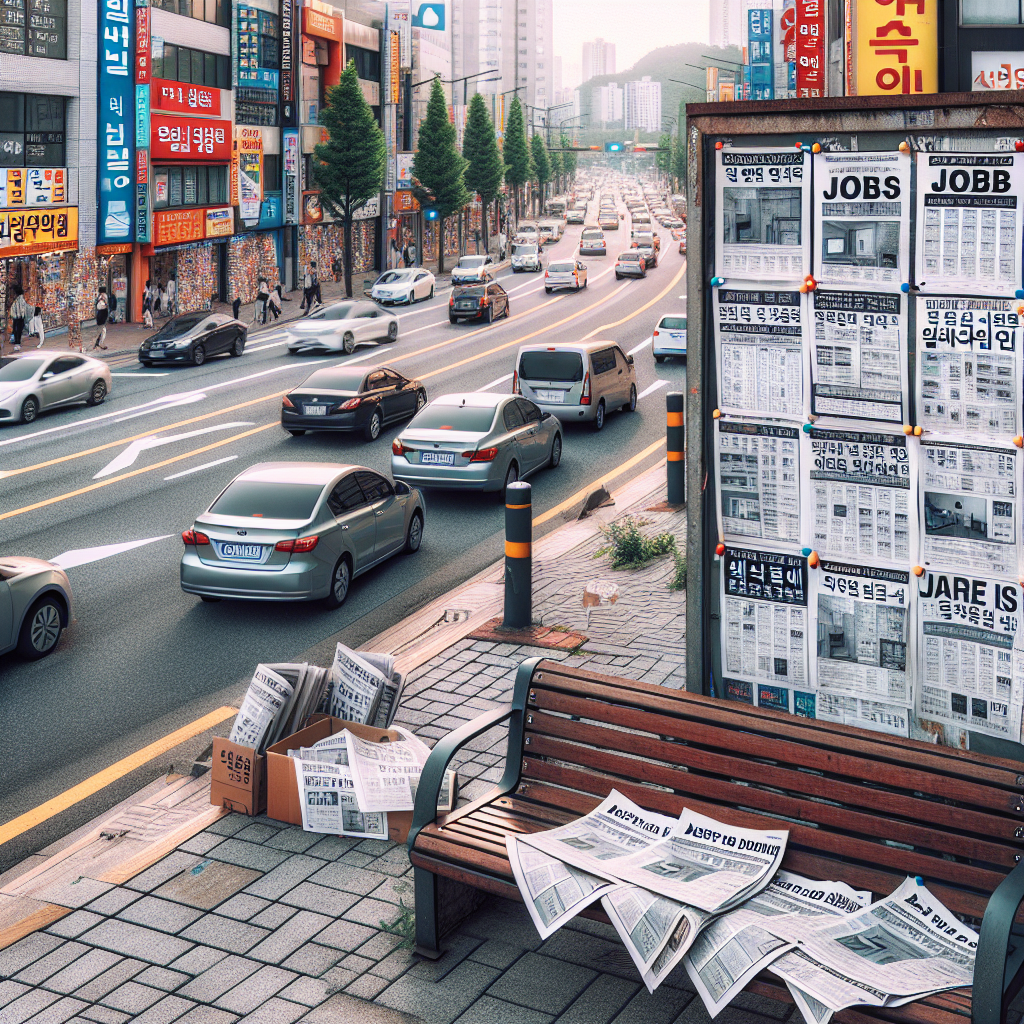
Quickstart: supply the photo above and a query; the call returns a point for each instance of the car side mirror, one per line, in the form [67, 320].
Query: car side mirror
[402, 488]
[629, 359]
[47, 375]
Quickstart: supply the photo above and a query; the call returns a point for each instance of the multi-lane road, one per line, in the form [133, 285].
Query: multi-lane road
[111, 488]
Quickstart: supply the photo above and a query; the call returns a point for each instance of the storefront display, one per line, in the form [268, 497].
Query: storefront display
[326, 242]
[195, 268]
[250, 257]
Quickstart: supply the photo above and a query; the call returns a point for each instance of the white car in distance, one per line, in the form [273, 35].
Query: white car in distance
[565, 274]
[341, 326]
[472, 269]
[408, 285]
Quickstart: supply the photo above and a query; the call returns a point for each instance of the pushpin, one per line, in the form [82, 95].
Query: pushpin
[919, 879]
[904, 147]
[1019, 441]
[918, 570]
[718, 145]
[804, 288]
[1019, 145]
[717, 414]
[799, 145]
[719, 548]
[812, 417]
[813, 560]
[816, 148]
[1020, 311]
[905, 287]
[810, 282]
[805, 551]
[808, 427]
[717, 282]
[1019, 293]
[918, 431]
[907, 429]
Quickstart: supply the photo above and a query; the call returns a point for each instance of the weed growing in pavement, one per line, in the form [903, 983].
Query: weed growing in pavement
[629, 548]
[404, 927]
[678, 581]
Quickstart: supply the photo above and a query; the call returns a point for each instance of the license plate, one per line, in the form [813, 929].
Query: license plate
[465, 305]
[437, 458]
[551, 396]
[243, 552]
[315, 410]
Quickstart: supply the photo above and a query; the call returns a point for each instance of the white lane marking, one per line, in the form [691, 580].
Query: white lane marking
[172, 401]
[83, 556]
[654, 387]
[205, 465]
[271, 344]
[642, 345]
[418, 329]
[136, 448]
[134, 374]
[495, 383]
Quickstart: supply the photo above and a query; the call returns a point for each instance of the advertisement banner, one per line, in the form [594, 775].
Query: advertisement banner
[996, 69]
[810, 48]
[171, 227]
[395, 61]
[324, 26]
[896, 51]
[33, 186]
[759, 53]
[142, 195]
[287, 51]
[142, 116]
[189, 139]
[312, 211]
[405, 162]
[399, 19]
[24, 232]
[390, 126]
[290, 152]
[142, 45]
[184, 99]
[249, 143]
[220, 222]
[115, 122]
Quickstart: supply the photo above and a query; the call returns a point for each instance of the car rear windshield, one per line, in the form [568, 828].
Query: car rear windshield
[629, 257]
[472, 261]
[524, 250]
[591, 233]
[264, 500]
[560, 268]
[470, 291]
[391, 277]
[18, 368]
[673, 323]
[470, 418]
[561, 366]
[180, 325]
[334, 380]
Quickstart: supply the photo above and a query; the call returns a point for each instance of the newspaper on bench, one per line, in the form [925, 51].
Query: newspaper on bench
[901, 948]
[735, 947]
[267, 695]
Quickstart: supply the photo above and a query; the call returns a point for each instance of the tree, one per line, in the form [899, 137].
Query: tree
[663, 159]
[679, 155]
[541, 166]
[568, 160]
[349, 167]
[484, 170]
[438, 167]
[517, 154]
[557, 170]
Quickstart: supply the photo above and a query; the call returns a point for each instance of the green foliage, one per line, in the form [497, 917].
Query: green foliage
[517, 155]
[557, 167]
[541, 163]
[678, 581]
[484, 170]
[664, 154]
[404, 927]
[630, 548]
[568, 159]
[438, 166]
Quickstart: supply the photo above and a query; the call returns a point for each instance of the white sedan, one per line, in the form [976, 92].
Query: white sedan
[565, 274]
[472, 269]
[341, 326]
[409, 285]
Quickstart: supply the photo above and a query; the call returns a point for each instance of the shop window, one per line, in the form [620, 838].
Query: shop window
[181, 64]
[175, 187]
[271, 172]
[31, 130]
[34, 28]
[214, 12]
[367, 62]
[990, 12]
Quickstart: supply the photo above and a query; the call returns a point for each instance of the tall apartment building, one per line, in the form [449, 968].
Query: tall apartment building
[607, 104]
[728, 23]
[643, 105]
[598, 59]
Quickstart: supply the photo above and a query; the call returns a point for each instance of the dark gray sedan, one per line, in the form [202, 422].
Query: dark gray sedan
[298, 531]
[193, 338]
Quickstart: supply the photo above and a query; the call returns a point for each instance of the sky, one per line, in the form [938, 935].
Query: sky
[661, 23]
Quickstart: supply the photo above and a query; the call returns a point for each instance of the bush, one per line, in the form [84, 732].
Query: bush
[629, 548]
[678, 581]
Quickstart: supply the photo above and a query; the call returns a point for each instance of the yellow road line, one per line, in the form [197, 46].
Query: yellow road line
[16, 826]
[604, 478]
[646, 305]
[135, 472]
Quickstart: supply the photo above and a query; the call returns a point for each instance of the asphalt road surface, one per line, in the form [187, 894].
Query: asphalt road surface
[143, 658]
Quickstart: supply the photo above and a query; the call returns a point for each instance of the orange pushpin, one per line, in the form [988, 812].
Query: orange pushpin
[907, 429]
[804, 289]
[918, 570]
[816, 148]
[904, 147]
[719, 548]
[813, 559]
[718, 145]
[1019, 441]
[918, 431]
[717, 414]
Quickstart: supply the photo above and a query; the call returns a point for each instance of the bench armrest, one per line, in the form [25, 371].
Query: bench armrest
[997, 962]
[445, 749]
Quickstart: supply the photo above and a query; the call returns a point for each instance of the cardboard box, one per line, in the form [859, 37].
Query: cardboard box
[238, 778]
[283, 788]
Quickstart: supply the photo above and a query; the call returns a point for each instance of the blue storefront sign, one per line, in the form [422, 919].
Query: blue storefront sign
[142, 116]
[759, 53]
[271, 212]
[116, 122]
[259, 78]
[429, 15]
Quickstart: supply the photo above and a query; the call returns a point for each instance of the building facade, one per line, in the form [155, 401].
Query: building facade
[598, 59]
[728, 23]
[608, 104]
[642, 105]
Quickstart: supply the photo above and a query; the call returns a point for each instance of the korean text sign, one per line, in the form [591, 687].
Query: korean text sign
[897, 47]
[185, 99]
[116, 121]
[34, 231]
[186, 138]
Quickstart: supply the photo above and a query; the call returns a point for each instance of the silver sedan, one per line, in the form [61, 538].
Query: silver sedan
[35, 605]
[341, 326]
[476, 441]
[298, 531]
[38, 382]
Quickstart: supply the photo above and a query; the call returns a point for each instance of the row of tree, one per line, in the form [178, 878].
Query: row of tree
[349, 167]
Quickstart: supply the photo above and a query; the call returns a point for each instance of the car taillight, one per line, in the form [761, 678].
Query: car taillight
[451, 301]
[297, 546]
[547, 273]
[483, 455]
[585, 397]
[397, 448]
[515, 383]
[483, 302]
[352, 403]
[195, 537]
[655, 334]
[287, 402]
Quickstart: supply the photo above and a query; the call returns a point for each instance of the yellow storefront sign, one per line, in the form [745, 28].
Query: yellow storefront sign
[27, 232]
[897, 47]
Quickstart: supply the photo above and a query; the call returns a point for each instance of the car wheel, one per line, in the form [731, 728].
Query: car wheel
[453, 320]
[489, 318]
[208, 599]
[630, 406]
[598, 421]
[431, 295]
[414, 535]
[348, 343]
[146, 362]
[97, 393]
[556, 451]
[296, 433]
[511, 477]
[341, 579]
[547, 290]
[198, 355]
[659, 359]
[29, 410]
[508, 310]
[618, 277]
[421, 399]
[239, 346]
[393, 331]
[41, 629]
[373, 425]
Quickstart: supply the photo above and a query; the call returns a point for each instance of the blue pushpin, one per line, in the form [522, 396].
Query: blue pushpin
[1019, 293]
[808, 427]
[905, 287]
[805, 551]
[919, 879]
[717, 282]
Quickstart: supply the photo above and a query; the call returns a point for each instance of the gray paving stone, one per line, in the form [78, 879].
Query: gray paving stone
[357, 964]
[70, 892]
[343, 1007]
[340, 875]
[220, 978]
[761, 1005]
[162, 871]
[163, 915]
[170, 1008]
[197, 960]
[395, 890]
[118, 974]
[73, 925]
[60, 1011]
[292, 934]
[242, 907]
[395, 862]
[275, 1011]
[395, 964]
[591, 951]
[345, 935]
[104, 1014]
[201, 844]
[11, 990]
[600, 1001]
[274, 916]
[228, 825]
[367, 986]
[309, 896]
[496, 953]
[32, 1002]
[207, 885]
[373, 912]
[248, 855]
[113, 902]
[663, 1007]
[357, 859]
[132, 997]
[456, 949]
[439, 1004]
[82, 971]
[542, 983]
[208, 1015]
[296, 868]
[23, 952]
[134, 940]
[313, 959]
[39, 970]
[486, 1010]
[294, 840]
[256, 990]
[332, 847]
[379, 946]
[257, 832]
[309, 991]
[162, 978]
[223, 933]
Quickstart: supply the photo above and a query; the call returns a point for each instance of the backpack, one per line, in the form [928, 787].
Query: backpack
[113, 302]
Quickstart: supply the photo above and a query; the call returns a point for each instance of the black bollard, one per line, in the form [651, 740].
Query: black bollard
[518, 556]
[675, 436]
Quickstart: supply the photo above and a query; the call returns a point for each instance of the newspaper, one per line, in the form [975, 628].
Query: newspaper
[554, 892]
[328, 800]
[969, 366]
[862, 219]
[859, 356]
[759, 345]
[858, 491]
[969, 208]
[764, 625]
[901, 948]
[758, 467]
[970, 653]
[266, 697]
[763, 214]
[736, 946]
[386, 775]
[969, 506]
[356, 686]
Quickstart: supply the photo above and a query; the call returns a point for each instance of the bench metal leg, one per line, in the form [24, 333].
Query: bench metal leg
[428, 935]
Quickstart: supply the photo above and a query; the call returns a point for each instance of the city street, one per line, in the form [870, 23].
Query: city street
[142, 657]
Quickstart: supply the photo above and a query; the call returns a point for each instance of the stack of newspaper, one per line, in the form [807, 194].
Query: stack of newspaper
[364, 687]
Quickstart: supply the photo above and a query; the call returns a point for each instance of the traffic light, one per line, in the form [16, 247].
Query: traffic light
[613, 147]
[430, 213]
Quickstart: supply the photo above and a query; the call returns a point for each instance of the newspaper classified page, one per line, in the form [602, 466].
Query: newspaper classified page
[759, 480]
[763, 214]
[969, 366]
[764, 626]
[970, 653]
[328, 799]
[759, 342]
[969, 222]
[386, 774]
[862, 219]
[356, 686]
[859, 358]
[969, 506]
[859, 489]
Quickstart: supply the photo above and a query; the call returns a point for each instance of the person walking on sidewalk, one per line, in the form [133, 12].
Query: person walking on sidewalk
[262, 298]
[412, 254]
[336, 268]
[274, 302]
[102, 312]
[35, 326]
[310, 288]
[172, 295]
[20, 311]
[147, 304]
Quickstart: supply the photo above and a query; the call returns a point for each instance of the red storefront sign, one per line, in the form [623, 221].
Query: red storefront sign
[143, 45]
[173, 226]
[323, 25]
[189, 139]
[184, 99]
[142, 166]
[810, 48]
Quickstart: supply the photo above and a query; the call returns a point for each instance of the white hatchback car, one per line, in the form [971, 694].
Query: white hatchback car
[670, 337]
[409, 285]
[565, 274]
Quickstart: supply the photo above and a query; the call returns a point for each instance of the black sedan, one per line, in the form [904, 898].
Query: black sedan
[193, 337]
[351, 398]
[484, 302]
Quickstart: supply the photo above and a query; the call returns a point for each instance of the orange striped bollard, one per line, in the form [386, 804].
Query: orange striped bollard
[675, 437]
[518, 556]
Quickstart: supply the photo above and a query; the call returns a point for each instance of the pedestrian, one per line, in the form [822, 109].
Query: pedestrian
[262, 297]
[405, 255]
[160, 305]
[35, 326]
[395, 255]
[236, 307]
[502, 242]
[147, 304]
[307, 289]
[412, 254]
[172, 295]
[20, 310]
[316, 285]
[102, 307]
[274, 302]
[336, 268]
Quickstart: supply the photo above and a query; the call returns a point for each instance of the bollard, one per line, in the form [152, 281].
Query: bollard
[675, 436]
[518, 556]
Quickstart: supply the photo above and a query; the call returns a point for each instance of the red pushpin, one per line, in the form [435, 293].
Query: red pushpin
[810, 282]
[719, 548]
[718, 145]
[1019, 145]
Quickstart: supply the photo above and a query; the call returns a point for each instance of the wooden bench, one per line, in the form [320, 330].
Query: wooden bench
[861, 807]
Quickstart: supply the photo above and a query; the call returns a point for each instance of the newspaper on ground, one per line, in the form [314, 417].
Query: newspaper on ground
[267, 695]
[386, 775]
[328, 799]
[554, 892]
[309, 689]
[902, 948]
[735, 947]
[357, 685]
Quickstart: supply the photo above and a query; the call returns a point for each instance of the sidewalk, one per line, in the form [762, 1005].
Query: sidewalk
[257, 921]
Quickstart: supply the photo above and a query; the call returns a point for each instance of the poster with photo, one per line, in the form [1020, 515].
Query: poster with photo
[969, 507]
[862, 220]
[759, 346]
[859, 356]
[763, 215]
[859, 490]
[758, 481]
[969, 220]
[970, 653]
[969, 366]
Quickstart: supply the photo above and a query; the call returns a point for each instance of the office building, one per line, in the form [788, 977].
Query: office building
[642, 105]
[607, 104]
[598, 59]
[728, 26]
